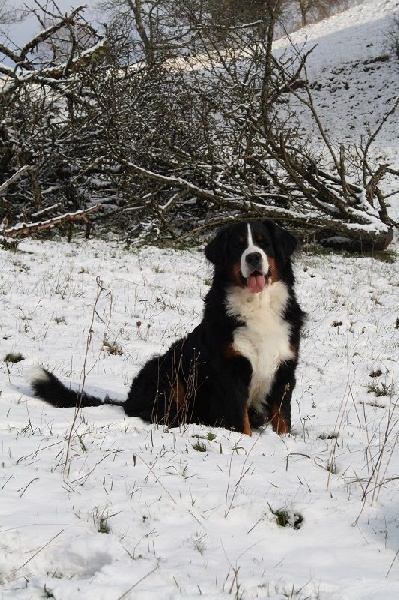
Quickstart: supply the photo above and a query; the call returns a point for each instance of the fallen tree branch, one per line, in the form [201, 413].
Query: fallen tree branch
[15, 177]
[28, 228]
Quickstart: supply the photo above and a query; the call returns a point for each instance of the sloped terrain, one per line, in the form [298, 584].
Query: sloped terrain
[354, 79]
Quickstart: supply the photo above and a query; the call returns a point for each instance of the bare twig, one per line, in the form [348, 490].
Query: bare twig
[100, 290]
[36, 553]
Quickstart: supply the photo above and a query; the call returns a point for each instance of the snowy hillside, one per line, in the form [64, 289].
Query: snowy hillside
[354, 77]
[99, 506]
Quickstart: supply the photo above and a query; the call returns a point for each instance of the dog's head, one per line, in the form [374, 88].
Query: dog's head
[252, 254]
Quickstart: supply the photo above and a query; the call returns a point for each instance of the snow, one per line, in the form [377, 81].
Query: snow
[98, 506]
[354, 80]
[184, 522]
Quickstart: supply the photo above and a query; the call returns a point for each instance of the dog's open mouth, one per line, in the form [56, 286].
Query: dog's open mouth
[256, 282]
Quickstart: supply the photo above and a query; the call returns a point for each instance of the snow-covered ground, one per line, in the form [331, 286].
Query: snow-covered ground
[99, 506]
[354, 78]
[103, 506]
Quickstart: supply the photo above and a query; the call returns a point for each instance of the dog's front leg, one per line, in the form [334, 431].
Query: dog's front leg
[239, 376]
[279, 400]
[236, 409]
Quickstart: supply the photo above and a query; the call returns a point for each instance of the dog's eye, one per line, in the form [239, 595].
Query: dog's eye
[263, 241]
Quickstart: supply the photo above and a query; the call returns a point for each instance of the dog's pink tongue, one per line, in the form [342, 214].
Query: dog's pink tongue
[256, 283]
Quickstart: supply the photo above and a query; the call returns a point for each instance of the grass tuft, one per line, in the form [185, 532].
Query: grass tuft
[101, 521]
[287, 518]
[380, 388]
[13, 358]
[199, 446]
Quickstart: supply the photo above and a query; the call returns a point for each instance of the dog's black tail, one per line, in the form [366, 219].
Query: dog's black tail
[47, 387]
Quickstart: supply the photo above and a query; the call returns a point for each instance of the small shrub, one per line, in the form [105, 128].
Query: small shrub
[112, 348]
[375, 373]
[101, 521]
[199, 446]
[380, 388]
[47, 593]
[13, 358]
[199, 542]
[59, 320]
[9, 244]
[287, 518]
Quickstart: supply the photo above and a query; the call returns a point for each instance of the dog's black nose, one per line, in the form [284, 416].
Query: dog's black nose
[254, 260]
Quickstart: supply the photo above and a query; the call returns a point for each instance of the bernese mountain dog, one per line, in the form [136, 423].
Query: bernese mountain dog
[236, 369]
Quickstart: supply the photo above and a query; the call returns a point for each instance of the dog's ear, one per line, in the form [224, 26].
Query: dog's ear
[216, 250]
[284, 242]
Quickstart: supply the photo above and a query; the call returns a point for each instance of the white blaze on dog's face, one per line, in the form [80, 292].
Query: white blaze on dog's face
[254, 264]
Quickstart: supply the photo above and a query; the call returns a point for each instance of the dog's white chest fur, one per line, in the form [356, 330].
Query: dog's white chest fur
[264, 337]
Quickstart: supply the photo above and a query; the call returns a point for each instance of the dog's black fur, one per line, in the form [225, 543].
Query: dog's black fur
[205, 377]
